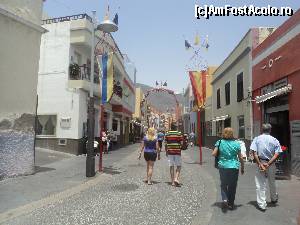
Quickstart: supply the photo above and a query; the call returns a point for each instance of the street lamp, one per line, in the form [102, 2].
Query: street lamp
[107, 26]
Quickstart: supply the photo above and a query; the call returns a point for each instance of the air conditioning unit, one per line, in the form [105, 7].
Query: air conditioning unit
[62, 142]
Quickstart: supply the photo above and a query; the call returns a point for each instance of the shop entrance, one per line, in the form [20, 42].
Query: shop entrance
[278, 116]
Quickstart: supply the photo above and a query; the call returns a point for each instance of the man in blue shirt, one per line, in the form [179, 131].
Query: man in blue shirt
[266, 150]
[160, 139]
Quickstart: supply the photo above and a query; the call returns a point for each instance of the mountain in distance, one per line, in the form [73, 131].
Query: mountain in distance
[161, 100]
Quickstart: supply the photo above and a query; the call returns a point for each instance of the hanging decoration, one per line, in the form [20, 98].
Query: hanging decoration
[197, 62]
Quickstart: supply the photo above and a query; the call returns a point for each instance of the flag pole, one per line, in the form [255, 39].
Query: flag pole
[199, 134]
[101, 132]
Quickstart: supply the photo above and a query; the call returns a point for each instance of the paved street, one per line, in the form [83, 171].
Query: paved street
[118, 196]
[246, 213]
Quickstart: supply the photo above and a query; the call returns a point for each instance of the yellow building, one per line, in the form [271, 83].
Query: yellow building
[139, 95]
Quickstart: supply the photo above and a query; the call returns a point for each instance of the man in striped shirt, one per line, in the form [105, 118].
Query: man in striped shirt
[174, 140]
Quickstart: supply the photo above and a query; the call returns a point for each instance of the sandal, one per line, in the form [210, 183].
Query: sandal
[150, 183]
[176, 183]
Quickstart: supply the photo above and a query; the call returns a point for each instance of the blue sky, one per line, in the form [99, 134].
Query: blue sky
[152, 32]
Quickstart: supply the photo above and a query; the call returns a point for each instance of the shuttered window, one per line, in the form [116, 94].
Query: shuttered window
[240, 87]
[227, 93]
[218, 99]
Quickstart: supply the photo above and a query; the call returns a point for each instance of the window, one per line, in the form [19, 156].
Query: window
[219, 128]
[77, 58]
[218, 99]
[240, 88]
[227, 93]
[208, 128]
[227, 122]
[46, 125]
[115, 125]
[241, 124]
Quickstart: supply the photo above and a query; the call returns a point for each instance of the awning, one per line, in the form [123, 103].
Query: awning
[278, 92]
[219, 118]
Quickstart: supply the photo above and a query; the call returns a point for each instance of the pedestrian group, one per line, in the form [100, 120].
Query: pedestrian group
[229, 156]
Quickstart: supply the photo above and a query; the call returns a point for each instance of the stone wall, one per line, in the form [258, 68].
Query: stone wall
[16, 145]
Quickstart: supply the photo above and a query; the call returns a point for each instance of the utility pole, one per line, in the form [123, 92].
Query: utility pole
[90, 157]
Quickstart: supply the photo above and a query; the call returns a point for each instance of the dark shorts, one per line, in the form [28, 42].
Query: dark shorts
[150, 156]
[160, 143]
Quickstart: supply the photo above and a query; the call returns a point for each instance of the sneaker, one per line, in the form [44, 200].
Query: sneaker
[274, 202]
[231, 207]
[224, 206]
[261, 209]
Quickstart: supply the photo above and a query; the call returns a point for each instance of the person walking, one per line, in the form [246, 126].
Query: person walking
[174, 140]
[160, 139]
[266, 149]
[228, 151]
[151, 152]
[192, 139]
[104, 142]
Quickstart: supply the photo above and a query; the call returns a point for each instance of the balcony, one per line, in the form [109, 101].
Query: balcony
[80, 76]
[118, 90]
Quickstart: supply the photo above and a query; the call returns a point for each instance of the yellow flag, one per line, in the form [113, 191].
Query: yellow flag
[197, 39]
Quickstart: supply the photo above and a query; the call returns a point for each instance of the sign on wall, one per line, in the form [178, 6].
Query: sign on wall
[65, 122]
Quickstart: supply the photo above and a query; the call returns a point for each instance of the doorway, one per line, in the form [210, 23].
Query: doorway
[281, 131]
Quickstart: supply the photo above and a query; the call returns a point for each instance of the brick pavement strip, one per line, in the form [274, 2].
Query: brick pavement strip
[122, 198]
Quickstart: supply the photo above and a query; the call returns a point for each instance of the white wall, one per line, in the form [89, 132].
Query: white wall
[30, 10]
[54, 95]
[19, 54]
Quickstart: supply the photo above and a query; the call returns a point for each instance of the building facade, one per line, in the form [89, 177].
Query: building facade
[189, 116]
[64, 85]
[276, 78]
[20, 35]
[232, 81]
[140, 114]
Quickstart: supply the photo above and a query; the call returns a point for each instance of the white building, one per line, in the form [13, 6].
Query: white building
[20, 36]
[189, 114]
[64, 85]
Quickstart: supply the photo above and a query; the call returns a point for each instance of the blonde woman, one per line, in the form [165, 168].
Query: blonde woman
[151, 152]
[230, 160]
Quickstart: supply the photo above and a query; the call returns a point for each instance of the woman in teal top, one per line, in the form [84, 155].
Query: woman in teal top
[228, 151]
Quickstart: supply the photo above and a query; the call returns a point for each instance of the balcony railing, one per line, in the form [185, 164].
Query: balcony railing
[66, 18]
[83, 72]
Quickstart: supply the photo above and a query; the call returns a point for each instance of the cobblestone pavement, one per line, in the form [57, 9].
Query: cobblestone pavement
[120, 197]
[285, 213]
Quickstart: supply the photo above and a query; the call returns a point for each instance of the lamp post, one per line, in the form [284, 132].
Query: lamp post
[106, 26]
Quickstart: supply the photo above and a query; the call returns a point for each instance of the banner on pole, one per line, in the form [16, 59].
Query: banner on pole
[198, 82]
[107, 77]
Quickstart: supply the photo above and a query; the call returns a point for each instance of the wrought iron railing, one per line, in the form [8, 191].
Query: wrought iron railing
[83, 73]
[67, 18]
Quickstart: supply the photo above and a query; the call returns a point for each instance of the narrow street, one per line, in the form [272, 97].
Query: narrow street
[119, 196]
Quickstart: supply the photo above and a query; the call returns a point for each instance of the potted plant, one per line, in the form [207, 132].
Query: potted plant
[74, 71]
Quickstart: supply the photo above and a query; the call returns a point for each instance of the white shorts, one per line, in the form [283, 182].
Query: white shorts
[174, 160]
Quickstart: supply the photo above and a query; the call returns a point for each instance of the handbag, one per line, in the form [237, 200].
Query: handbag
[217, 156]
